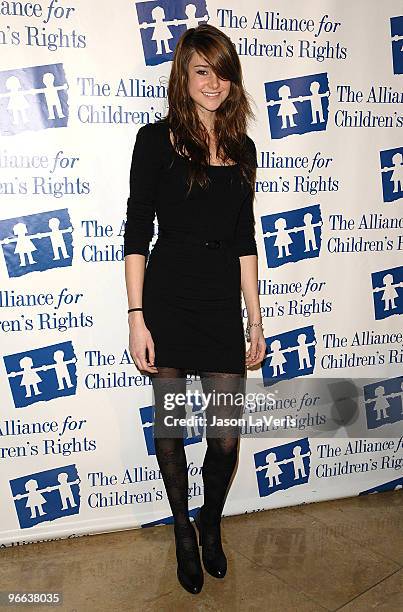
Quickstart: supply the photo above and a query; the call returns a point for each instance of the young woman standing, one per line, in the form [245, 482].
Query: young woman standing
[196, 170]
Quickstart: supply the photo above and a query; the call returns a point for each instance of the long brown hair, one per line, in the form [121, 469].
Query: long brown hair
[231, 118]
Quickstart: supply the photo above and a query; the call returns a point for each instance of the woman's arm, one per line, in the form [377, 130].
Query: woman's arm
[139, 230]
[249, 285]
[141, 344]
[248, 256]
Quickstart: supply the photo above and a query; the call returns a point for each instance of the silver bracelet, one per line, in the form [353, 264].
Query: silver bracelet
[249, 325]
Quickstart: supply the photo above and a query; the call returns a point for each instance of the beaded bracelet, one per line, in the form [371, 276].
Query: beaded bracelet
[249, 325]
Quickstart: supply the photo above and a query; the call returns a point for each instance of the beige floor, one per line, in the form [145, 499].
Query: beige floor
[339, 555]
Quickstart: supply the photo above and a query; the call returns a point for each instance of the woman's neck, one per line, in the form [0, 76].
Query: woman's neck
[208, 123]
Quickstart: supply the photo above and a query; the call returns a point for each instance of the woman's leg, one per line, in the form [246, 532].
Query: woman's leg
[169, 449]
[171, 457]
[226, 402]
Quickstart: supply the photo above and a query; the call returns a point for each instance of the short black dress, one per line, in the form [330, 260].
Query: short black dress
[192, 285]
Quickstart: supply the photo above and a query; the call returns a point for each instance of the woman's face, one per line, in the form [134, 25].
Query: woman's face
[205, 88]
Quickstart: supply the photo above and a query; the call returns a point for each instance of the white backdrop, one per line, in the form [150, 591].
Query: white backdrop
[77, 80]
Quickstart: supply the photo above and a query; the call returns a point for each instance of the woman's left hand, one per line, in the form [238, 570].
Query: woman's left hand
[257, 348]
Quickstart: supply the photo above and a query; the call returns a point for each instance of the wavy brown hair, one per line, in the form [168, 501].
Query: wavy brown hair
[231, 118]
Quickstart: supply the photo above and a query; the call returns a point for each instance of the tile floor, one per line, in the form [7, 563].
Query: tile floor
[338, 555]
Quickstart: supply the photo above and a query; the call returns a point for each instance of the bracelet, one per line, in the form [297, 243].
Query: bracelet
[132, 309]
[249, 325]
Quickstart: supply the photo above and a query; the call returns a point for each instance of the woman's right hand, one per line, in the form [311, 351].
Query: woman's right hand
[140, 341]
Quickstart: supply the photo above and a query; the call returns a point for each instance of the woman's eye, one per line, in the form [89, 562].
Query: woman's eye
[201, 71]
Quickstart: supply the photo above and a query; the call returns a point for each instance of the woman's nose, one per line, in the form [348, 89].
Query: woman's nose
[214, 81]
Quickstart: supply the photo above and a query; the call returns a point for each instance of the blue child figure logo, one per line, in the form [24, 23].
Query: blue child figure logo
[162, 22]
[316, 102]
[62, 372]
[384, 402]
[397, 173]
[17, 104]
[381, 404]
[37, 242]
[277, 358]
[302, 105]
[35, 499]
[289, 355]
[283, 466]
[292, 236]
[392, 174]
[193, 430]
[24, 247]
[33, 98]
[283, 238]
[51, 92]
[388, 292]
[57, 239]
[273, 470]
[30, 378]
[287, 108]
[46, 496]
[42, 374]
[161, 32]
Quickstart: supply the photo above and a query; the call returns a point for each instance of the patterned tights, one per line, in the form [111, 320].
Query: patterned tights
[222, 443]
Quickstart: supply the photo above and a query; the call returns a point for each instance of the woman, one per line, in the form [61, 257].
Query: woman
[196, 169]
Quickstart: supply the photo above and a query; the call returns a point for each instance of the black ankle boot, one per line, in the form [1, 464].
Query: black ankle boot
[189, 571]
[214, 559]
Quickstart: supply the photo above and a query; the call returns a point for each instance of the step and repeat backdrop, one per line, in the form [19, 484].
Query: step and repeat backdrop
[324, 411]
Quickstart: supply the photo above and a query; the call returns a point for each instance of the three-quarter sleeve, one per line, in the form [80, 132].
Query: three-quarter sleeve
[245, 230]
[139, 227]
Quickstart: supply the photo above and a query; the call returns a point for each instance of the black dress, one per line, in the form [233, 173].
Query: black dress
[192, 286]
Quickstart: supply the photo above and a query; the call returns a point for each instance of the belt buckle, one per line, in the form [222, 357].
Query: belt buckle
[213, 244]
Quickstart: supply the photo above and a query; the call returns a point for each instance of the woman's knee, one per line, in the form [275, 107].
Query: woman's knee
[223, 447]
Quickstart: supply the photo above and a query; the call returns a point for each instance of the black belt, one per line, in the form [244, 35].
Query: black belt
[181, 237]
